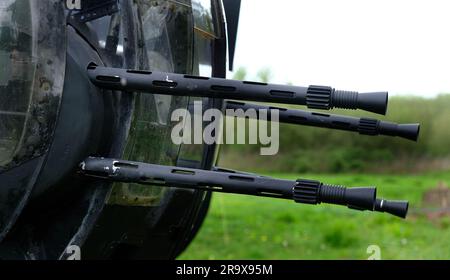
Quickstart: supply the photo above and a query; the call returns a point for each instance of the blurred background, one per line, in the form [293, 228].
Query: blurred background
[399, 46]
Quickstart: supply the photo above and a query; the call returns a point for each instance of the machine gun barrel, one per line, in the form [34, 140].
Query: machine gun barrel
[365, 126]
[301, 191]
[314, 97]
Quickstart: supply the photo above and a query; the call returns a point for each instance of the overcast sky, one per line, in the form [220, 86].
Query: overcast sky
[402, 46]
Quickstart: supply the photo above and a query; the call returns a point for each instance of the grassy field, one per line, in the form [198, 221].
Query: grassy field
[240, 227]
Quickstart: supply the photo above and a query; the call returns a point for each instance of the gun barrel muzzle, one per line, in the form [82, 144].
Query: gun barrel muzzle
[393, 207]
[362, 198]
[314, 97]
[301, 191]
[365, 126]
[408, 131]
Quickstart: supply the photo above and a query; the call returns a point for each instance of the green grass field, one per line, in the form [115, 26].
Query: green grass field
[241, 227]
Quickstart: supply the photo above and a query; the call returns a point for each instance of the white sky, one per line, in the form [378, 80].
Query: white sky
[402, 46]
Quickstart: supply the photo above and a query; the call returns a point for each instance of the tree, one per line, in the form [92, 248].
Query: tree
[240, 74]
[264, 75]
